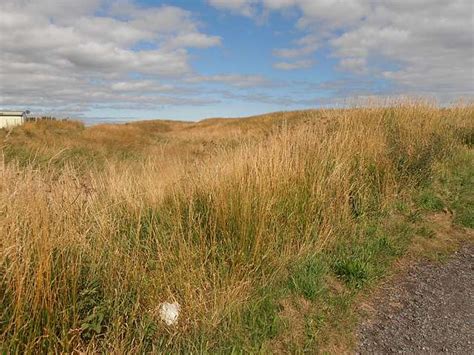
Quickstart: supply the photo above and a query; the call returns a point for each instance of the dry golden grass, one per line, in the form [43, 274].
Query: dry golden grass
[101, 224]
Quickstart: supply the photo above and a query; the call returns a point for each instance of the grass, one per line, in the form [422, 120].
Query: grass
[264, 229]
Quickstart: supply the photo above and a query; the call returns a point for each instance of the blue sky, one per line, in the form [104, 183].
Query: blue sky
[115, 60]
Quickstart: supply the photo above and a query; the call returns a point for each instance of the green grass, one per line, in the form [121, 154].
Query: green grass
[430, 201]
[452, 189]
[457, 187]
[306, 278]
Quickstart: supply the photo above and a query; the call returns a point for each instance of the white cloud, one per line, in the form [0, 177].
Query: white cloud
[279, 4]
[56, 9]
[237, 80]
[70, 55]
[140, 85]
[112, 30]
[61, 54]
[420, 46]
[428, 46]
[196, 40]
[304, 46]
[298, 64]
[243, 7]
[355, 65]
[331, 13]
[300, 55]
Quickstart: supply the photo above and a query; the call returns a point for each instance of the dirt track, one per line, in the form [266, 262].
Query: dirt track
[430, 309]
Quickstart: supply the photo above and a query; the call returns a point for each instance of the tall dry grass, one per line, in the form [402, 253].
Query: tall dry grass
[88, 252]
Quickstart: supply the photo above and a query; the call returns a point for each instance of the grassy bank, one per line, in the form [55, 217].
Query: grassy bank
[265, 230]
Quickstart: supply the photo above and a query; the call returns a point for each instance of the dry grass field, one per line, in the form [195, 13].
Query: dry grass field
[264, 229]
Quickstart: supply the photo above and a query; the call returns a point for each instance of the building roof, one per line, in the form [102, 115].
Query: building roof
[13, 113]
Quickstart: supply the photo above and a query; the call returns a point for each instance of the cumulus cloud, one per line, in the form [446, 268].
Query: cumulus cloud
[421, 46]
[74, 55]
[428, 45]
[61, 54]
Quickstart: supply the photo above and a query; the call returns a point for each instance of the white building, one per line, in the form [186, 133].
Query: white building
[12, 118]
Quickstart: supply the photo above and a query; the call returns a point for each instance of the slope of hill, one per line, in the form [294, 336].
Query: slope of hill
[265, 230]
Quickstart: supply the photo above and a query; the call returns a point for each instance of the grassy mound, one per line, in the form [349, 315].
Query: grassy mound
[263, 229]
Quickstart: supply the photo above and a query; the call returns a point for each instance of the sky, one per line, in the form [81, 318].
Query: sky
[119, 60]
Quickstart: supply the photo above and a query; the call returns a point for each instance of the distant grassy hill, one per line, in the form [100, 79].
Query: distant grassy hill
[38, 142]
[266, 230]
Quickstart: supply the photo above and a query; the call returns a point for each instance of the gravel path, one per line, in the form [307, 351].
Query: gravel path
[429, 310]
